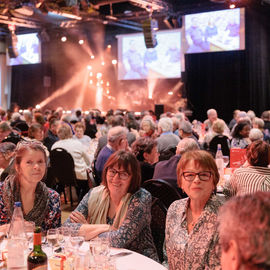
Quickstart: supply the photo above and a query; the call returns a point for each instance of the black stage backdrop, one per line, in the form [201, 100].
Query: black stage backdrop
[222, 80]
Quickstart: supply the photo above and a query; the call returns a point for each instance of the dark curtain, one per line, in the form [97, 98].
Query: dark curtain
[233, 80]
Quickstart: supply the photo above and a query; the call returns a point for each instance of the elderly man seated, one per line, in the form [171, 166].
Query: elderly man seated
[117, 140]
[244, 232]
[166, 140]
[166, 169]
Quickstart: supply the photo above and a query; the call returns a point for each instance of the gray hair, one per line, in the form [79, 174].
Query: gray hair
[255, 134]
[116, 132]
[259, 122]
[211, 111]
[186, 127]
[166, 124]
[246, 220]
[180, 116]
[4, 126]
[7, 147]
[186, 144]
[251, 114]
[148, 119]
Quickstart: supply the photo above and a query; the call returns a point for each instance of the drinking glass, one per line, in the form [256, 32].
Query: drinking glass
[76, 241]
[82, 261]
[52, 238]
[226, 161]
[29, 230]
[64, 236]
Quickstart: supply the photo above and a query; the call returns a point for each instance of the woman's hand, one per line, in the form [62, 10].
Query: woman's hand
[77, 217]
[4, 228]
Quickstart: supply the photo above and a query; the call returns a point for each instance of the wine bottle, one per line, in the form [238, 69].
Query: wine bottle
[37, 259]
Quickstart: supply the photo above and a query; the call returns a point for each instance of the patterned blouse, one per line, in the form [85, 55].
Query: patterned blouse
[52, 218]
[198, 249]
[248, 180]
[134, 233]
[239, 143]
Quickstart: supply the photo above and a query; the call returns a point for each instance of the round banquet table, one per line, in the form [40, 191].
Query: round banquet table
[130, 260]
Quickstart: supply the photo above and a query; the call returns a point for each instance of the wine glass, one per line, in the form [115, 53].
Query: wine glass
[226, 160]
[52, 237]
[64, 235]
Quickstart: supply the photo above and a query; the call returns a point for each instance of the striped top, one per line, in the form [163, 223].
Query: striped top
[248, 180]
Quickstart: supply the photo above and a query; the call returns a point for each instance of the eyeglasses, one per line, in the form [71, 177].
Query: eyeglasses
[122, 174]
[203, 176]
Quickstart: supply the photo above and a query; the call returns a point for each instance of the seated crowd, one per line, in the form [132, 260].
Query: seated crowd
[115, 155]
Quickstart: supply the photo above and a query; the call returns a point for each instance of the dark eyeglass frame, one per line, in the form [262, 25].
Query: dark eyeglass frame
[200, 175]
[123, 175]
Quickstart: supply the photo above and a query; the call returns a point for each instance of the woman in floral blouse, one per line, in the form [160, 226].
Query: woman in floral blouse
[191, 225]
[118, 208]
[39, 203]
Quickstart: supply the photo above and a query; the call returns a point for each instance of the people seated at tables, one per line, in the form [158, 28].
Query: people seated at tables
[212, 116]
[79, 129]
[39, 203]
[255, 134]
[118, 208]
[254, 175]
[117, 140]
[6, 159]
[145, 150]
[79, 155]
[259, 124]
[218, 137]
[191, 225]
[7, 134]
[36, 132]
[186, 131]
[245, 232]
[51, 137]
[166, 169]
[233, 121]
[240, 135]
[166, 139]
[148, 127]
[265, 116]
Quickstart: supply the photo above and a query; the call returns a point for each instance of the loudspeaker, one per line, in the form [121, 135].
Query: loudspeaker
[12, 45]
[149, 33]
[159, 109]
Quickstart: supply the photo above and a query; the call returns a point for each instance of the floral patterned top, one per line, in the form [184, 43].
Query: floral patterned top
[134, 233]
[198, 249]
[52, 218]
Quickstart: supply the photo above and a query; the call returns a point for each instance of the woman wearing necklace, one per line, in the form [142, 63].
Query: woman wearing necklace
[191, 225]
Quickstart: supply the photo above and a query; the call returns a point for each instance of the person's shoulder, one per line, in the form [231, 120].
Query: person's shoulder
[178, 205]
[142, 194]
[53, 194]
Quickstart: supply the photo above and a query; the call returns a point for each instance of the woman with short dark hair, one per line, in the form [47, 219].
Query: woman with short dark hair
[118, 208]
[253, 177]
[145, 150]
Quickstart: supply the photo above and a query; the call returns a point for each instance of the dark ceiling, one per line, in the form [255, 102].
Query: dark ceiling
[60, 14]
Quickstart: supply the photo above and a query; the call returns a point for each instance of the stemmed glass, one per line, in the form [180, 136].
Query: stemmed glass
[52, 237]
[64, 236]
[76, 241]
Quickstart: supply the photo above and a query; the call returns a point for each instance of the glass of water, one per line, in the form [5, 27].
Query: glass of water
[52, 238]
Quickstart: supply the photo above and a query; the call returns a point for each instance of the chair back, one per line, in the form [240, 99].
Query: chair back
[163, 194]
[62, 166]
[163, 190]
[223, 141]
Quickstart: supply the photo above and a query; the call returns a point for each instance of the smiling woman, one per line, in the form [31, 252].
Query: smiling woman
[191, 224]
[39, 203]
[118, 208]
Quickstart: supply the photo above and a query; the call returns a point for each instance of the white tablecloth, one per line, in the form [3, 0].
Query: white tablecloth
[132, 261]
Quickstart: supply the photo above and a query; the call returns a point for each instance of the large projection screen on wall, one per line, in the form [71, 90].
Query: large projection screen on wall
[222, 30]
[135, 61]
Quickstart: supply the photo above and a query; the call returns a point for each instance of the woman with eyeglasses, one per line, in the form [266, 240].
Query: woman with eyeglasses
[118, 209]
[39, 203]
[191, 223]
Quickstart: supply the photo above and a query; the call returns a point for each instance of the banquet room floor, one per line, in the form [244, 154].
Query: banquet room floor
[66, 209]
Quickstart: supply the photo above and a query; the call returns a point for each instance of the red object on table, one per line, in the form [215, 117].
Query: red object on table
[237, 157]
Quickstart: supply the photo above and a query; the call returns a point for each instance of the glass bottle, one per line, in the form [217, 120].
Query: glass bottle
[37, 259]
